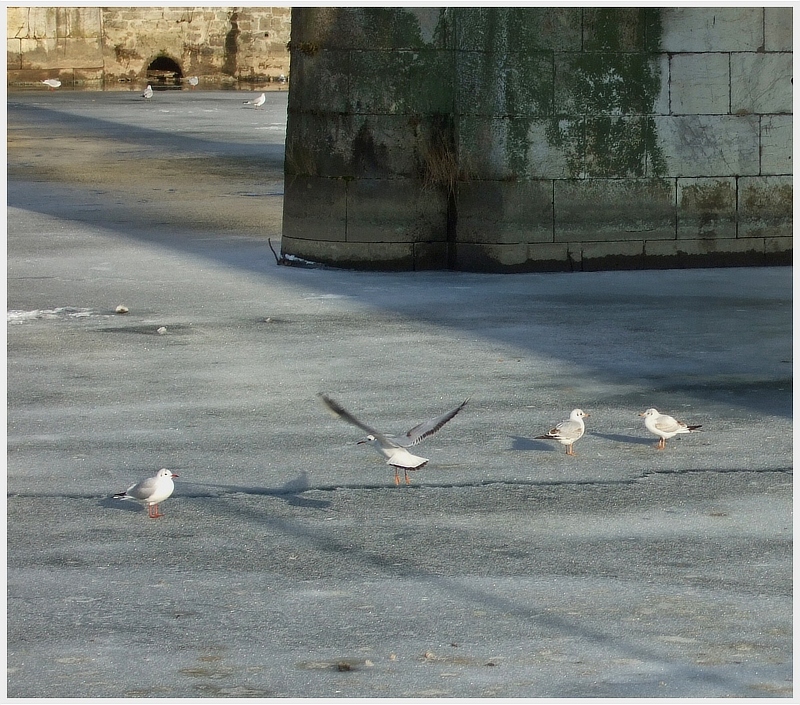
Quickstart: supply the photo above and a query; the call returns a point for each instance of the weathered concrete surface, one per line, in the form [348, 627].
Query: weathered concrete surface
[287, 553]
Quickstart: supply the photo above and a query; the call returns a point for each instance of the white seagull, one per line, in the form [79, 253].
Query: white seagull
[258, 102]
[148, 92]
[193, 81]
[52, 83]
[151, 491]
[567, 432]
[664, 426]
[394, 448]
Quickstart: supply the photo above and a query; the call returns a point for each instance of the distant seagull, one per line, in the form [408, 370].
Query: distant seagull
[52, 83]
[193, 81]
[567, 432]
[148, 92]
[151, 491]
[394, 447]
[282, 79]
[258, 102]
[664, 426]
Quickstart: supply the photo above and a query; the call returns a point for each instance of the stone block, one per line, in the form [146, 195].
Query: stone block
[607, 83]
[528, 29]
[709, 145]
[505, 148]
[778, 251]
[79, 22]
[761, 83]
[661, 103]
[17, 22]
[315, 208]
[66, 53]
[778, 29]
[505, 212]
[705, 252]
[397, 210]
[320, 82]
[615, 210]
[38, 53]
[317, 145]
[619, 146]
[13, 55]
[700, 29]
[776, 144]
[700, 84]
[505, 83]
[32, 22]
[609, 255]
[707, 208]
[401, 82]
[390, 146]
[551, 257]
[765, 206]
[353, 255]
[371, 146]
[367, 28]
[618, 28]
[473, 257]
[91, 79]
[431, 255]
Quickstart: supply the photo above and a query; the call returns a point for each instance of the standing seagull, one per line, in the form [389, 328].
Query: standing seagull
[567, 432]
[148, 92]
[151, 491]
[258, 102]
[52, 83]
[394, 447]
[664, 426]
[193, 81]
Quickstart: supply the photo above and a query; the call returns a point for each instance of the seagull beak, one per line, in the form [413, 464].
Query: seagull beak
[642, 414]
[174, 474]
[363, 440]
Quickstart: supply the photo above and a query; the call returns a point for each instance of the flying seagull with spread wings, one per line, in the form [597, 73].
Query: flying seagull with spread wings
[395, 448]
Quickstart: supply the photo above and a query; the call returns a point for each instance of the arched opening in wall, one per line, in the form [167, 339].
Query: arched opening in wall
[163, 73]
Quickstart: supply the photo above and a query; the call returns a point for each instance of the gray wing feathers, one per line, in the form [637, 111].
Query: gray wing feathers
[428, 428]
[668, 424]
[143, 489]
[345, 415]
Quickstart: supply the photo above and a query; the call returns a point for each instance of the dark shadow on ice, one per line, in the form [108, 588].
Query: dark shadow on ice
[523, 443]
[533, 313]
[291, 492]
[126, 505]
[619, 438]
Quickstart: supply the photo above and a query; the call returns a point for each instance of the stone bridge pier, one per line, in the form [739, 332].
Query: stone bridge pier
[533, 139]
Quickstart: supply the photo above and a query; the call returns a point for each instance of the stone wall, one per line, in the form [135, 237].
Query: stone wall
[511, 139]
[103, 46]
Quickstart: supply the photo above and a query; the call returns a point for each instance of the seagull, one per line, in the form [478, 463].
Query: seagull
[258, 102]
[664, 426]
[394, 448]
[151, 491]
[567, 432]
[148, 92]
[193, 81]
[52, 83]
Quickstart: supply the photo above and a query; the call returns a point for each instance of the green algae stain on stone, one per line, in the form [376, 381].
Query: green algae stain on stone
[614, 86]
[505, 74]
